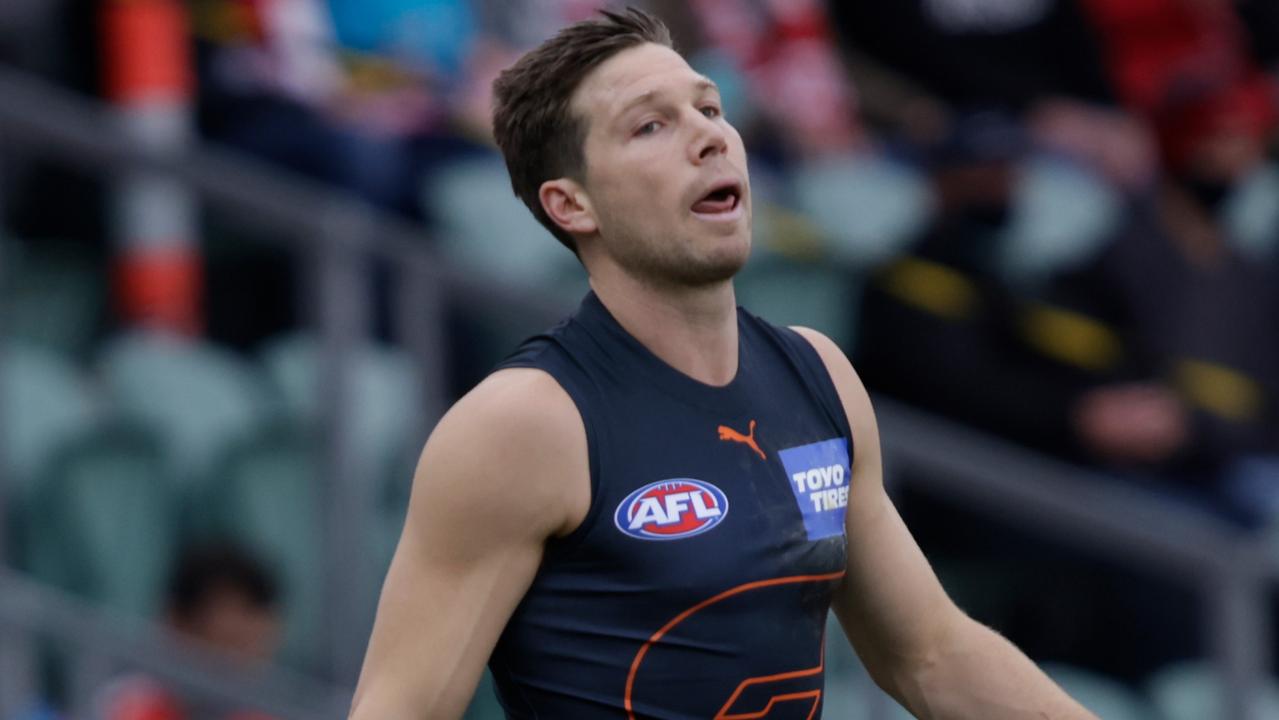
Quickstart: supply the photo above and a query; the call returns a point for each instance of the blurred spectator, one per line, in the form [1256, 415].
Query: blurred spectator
[1155, 354]
[1178, 64]
[940, 326]
[1163, 54]
[1194, 312]
[919, 60]
[221, 599]
[54, 39]
[784, 54]
[1261, 22]
[358, 96]
[971, 54]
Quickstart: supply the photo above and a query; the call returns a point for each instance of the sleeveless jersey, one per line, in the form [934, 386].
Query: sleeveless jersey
[699, 583]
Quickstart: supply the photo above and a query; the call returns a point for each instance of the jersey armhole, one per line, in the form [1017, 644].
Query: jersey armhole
[817, 376]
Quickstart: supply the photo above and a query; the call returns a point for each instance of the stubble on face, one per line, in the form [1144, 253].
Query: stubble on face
[639, 185]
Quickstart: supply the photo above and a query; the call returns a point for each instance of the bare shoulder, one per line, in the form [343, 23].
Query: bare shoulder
[518, 436]
[517, 402]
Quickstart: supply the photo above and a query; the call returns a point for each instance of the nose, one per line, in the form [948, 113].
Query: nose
[710, 139]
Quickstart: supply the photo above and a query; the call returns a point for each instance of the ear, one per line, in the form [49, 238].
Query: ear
[568, 206]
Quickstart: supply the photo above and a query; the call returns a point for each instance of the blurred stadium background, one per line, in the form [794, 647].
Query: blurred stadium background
[250, 249]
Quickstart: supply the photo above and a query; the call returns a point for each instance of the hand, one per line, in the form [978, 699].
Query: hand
[1116, 144]
[1138, 423]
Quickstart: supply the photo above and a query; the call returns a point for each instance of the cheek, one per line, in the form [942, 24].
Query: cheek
[642, 190]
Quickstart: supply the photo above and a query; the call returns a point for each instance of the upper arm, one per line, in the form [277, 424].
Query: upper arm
[504, 471]
[890, 603]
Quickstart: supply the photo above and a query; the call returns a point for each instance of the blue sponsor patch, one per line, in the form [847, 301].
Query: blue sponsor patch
[819, 474]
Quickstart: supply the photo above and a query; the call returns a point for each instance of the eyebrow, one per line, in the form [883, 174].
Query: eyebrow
[702, 85]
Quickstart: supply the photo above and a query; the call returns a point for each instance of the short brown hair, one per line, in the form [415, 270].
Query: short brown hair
[538, 133]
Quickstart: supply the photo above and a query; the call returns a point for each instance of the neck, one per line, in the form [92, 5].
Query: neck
[694, 330]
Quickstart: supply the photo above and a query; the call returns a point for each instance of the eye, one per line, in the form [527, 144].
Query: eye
[711, 111]
[649, 128]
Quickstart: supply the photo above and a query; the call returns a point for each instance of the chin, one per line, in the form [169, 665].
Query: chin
[718, 267]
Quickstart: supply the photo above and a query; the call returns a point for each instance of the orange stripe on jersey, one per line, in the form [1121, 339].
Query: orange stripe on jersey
[738, 590]
[816, 695]
[147, 51]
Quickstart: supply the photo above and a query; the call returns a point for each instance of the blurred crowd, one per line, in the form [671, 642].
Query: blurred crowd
[1144, 344]
[1060, 220]
[1139, 341]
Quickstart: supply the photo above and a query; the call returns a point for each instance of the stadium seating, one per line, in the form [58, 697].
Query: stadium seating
[266, 495]
[1061, 216]
[51, 295]
[45, 403]
[198, 398]
[1193, 691]
[107, 520]
[823, 297]
[386, 398]
[1252, 214]
[867, 207]
[484, 226]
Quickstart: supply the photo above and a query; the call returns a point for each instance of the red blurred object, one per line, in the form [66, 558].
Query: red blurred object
[785, 50]
[140, 698]
[1245, 108]
[161, 287]
[146, 51]
[149, 77]
[1183, 66]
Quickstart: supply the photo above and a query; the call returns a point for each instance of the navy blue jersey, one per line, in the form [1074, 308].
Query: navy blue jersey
[699, 583]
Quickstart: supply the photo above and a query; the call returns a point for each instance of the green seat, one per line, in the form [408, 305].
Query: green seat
[385, 415]
[1062, 215]
[102, 521]
[45, 404]
[1252, 214]
[51, 295]
[483, 225]
[819, 296]
[1192, 691]
[266, 495]
[868, 207]
[391, 508]
[1106, 697]
[197, 398]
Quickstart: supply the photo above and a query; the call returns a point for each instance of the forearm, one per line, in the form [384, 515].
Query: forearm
[976, 673]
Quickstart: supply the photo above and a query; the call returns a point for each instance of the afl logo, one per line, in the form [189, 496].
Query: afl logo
[671, 509]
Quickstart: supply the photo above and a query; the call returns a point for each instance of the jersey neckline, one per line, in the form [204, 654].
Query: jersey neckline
[594, 315]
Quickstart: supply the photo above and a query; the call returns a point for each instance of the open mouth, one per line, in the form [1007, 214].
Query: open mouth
[722, 199]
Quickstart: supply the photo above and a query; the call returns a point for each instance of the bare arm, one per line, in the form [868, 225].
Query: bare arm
[504, 471]
[917, 645]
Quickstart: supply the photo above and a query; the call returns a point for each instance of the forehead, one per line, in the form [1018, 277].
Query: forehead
[630, 74]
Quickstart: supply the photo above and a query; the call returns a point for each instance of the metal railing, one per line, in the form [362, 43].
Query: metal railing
[1230, 569]
[101, 644]
[1094, 514]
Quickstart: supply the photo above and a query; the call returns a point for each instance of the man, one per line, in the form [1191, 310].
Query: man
[648, 512]
[220, 598]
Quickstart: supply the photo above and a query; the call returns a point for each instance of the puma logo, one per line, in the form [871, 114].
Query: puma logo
[731, 435]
